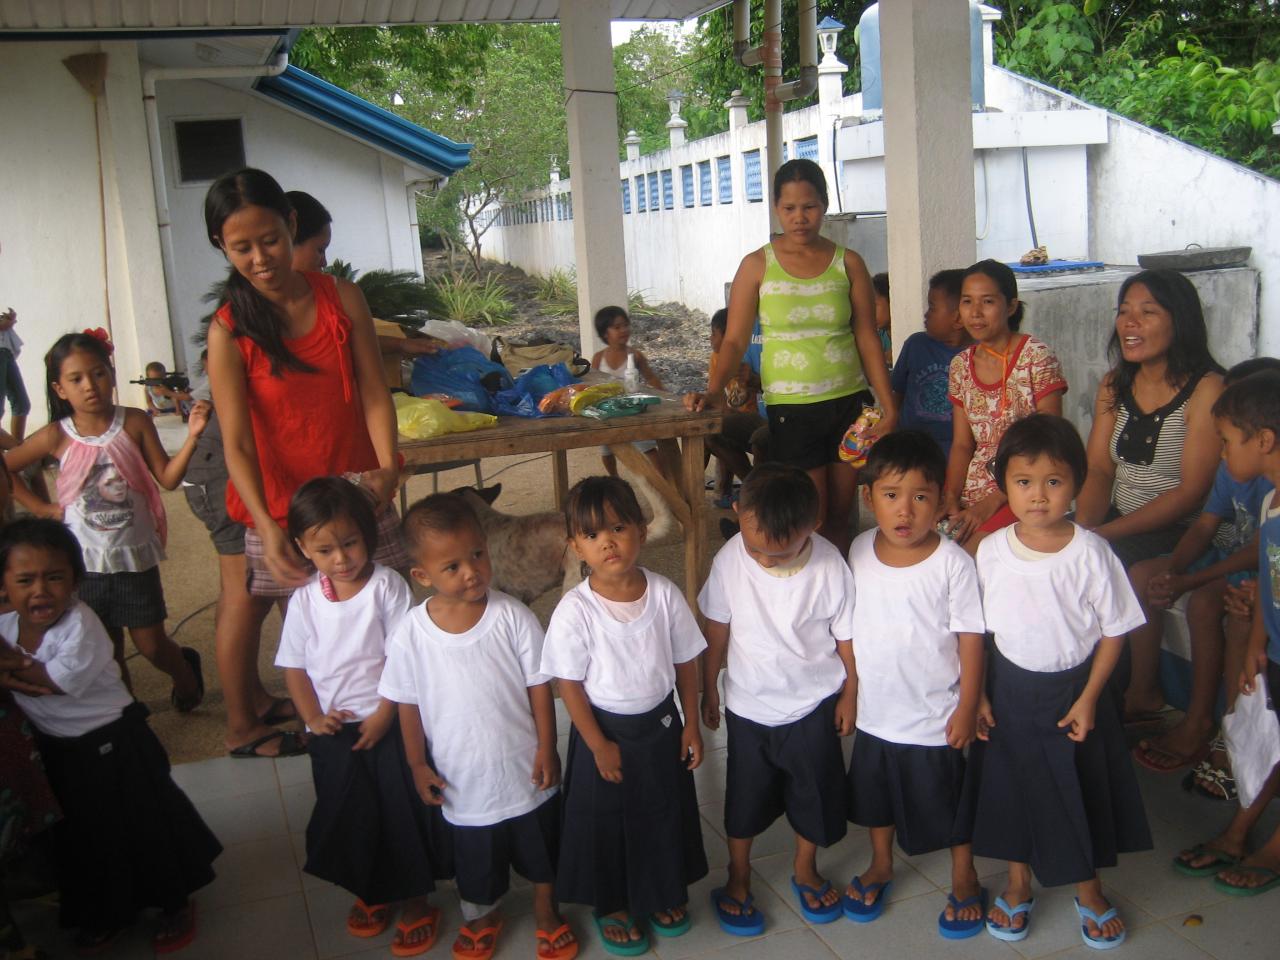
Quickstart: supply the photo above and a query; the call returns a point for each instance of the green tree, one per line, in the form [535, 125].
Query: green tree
[649, 65]
[365, 59]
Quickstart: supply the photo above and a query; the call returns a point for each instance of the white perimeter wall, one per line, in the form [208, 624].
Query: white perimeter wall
[51, 226]
[364, 189]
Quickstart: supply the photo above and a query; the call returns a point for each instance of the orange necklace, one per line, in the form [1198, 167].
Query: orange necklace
[1004, 368]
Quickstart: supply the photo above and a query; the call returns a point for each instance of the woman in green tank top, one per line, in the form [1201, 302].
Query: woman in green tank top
[821, 350]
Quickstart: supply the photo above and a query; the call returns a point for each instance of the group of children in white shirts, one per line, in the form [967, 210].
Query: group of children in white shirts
[434, 743]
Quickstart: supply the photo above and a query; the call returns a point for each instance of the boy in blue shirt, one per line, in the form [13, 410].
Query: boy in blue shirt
[1247, 416]
[1219, 548]
[919, 375]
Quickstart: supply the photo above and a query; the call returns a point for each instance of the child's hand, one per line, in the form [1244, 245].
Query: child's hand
[329, 723]
[430, 785]
[609, 762]
[1238, 600]
[986, 719]
[691, 746]
[546, 768]
[1255, 665]
[846, 713]
[1080, 719]
[11, 661]
[1164, 589]
[373, 729]
[382, 483]
[198, 418]
[962, 727]
[711, 707]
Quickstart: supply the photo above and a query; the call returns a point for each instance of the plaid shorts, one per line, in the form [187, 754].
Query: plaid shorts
[125, 599]
[391, 552]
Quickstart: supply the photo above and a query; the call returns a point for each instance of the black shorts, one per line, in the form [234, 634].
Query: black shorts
[796, 768]
[1273, 684]
[485, 856]
[808, 435]
[919, 791]
[125, 599]
[208, 501]
[738, 428]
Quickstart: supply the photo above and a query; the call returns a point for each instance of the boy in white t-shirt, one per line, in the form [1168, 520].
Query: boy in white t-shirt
[479, 725]
[779, 605]
[917, 648]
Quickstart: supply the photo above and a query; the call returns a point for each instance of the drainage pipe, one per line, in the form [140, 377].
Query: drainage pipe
[150, 78]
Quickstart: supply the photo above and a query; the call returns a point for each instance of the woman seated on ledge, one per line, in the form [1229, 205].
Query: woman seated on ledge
[1153, 450]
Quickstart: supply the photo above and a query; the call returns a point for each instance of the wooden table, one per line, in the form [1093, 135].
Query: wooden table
[668, 423]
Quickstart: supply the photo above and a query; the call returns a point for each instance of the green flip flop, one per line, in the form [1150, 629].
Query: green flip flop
[1221, 861]
[628, 948]
[1272, 880]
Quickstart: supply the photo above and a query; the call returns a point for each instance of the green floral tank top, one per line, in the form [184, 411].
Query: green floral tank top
[809, 351]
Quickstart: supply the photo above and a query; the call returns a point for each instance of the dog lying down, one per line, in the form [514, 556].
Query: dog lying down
[530, 554]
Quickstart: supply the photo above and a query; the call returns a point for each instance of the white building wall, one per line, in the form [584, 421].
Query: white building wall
[51, 218]
[363, 189]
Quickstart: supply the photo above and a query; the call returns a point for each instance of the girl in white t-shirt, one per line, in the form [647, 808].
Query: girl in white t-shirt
[1058, 795]
[618, 643]
[129, 839]
[368, 832]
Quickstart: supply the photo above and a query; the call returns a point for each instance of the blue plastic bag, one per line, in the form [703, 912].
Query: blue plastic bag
[463, 372]
[530, 387]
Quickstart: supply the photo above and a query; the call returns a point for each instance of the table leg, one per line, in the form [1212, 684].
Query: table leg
[695, 536]
[560, 477]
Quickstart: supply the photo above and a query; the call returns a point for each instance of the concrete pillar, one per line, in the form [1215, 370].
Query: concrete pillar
[830, 99]
[599, 253]
[737, 106]
[990, 17]
[632, 142]
[928, 147]
[675, 129]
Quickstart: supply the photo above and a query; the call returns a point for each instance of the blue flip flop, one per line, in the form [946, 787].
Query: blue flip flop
[857, 910]
[822, 913]
[1098, 943]
[748, 922]
[1007, 933]
[958, 929]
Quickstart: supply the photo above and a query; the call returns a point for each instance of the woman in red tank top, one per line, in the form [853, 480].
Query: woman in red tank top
[295, 372]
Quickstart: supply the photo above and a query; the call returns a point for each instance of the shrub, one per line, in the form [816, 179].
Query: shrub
[473, 301]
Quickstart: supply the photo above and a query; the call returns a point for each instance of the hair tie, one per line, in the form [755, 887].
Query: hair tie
[100, 334]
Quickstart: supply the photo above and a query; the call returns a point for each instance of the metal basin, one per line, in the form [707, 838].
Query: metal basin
[1195, 258]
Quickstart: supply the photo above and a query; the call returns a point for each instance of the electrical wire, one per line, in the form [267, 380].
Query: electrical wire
[1026, 190]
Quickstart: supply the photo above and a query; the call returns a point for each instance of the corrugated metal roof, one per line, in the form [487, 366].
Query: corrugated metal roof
[78, 15]
[309, 95]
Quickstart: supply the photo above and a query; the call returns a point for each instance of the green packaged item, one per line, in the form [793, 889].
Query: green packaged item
[623, 406]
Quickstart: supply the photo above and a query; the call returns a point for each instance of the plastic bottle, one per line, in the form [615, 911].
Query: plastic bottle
[631, 376]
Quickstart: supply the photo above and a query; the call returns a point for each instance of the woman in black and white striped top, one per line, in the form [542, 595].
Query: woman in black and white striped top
[1153, 450]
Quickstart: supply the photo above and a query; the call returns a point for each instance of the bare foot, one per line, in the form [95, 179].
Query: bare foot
[1100, 905]
[623, 930]
[484, 928]
[873, 882]
[1253, 871]
[963, 892]
[417, 923]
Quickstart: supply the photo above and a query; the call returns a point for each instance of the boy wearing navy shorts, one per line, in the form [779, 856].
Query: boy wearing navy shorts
[778, 607]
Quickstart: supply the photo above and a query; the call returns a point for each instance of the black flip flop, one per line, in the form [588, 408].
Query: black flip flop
[291, 745]
[192, 657]
[275, 714]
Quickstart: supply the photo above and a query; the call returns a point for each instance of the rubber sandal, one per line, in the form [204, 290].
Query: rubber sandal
[372, 927]
[192, 657]
[291, 745]
[1146, 754]
[1222, 785]
[184, 939]
[628, 948]
[429, 919]
[1008, 933]
[859, 911]
[545, 938]
[822, 913]
[677, 928]
[747, 922]
[275, 714]
[1231, 890]
[476, 952]
[958, 929]
[1221, 861]
[1099, 943]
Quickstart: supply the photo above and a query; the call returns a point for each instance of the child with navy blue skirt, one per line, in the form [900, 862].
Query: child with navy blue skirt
[1057, 792]
[619, 643]
[917, 650]
[368, 832]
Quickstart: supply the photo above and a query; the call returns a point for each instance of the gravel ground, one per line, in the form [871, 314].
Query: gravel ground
[674, 338]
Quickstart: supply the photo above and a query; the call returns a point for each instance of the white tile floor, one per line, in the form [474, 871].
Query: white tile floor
[262, 907]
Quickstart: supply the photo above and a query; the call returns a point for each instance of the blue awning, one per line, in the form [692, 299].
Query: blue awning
[331, 105]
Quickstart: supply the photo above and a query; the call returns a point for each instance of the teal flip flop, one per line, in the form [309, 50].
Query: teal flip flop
[677, 928]
[629, 948]
[1221, 861]
[1230, 889]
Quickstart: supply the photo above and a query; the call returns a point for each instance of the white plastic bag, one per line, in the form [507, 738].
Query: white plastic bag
[456, 335]
[1252, 732]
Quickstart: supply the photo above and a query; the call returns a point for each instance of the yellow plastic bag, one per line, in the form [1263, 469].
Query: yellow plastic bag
[420, 419]
[593, 394]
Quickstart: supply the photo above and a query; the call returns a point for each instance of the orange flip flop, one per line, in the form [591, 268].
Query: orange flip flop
[476, 952]
[377, 919]
[430, 919]
[547, 951]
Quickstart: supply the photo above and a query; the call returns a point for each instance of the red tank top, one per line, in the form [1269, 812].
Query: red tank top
[305, 425]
